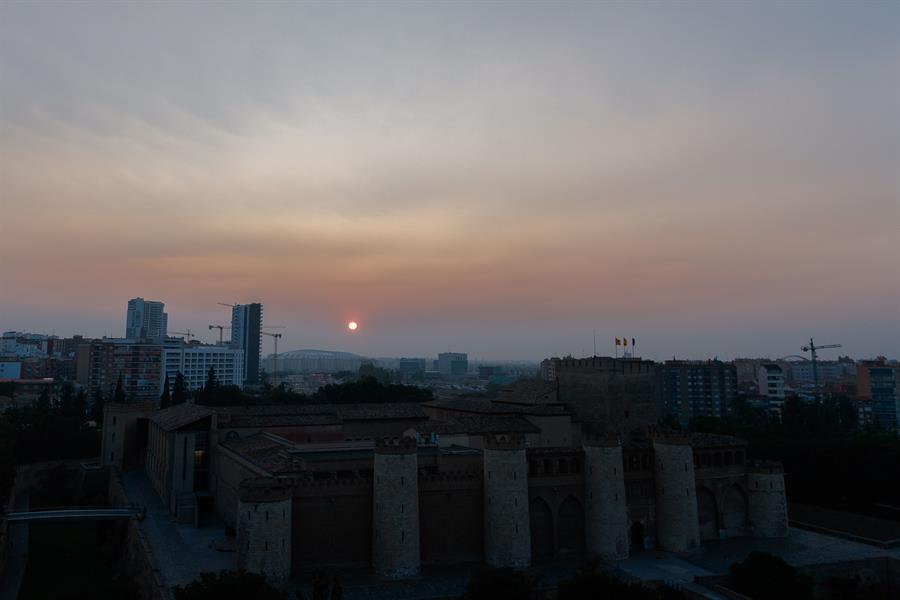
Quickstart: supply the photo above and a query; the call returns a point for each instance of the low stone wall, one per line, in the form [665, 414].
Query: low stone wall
[140, 563]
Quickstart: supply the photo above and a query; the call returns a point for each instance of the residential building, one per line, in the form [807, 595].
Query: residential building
[876, 381]
[770, 378]
[688, 389]
[99, 363]
[146, 320]
[194, 361]
[246, 325]
[453, 364]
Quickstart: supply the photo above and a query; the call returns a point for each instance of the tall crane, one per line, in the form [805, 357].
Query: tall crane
[274, 337]
[812, 348]
[221, 329]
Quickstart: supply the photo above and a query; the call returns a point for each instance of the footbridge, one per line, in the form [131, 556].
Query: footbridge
[78, 513]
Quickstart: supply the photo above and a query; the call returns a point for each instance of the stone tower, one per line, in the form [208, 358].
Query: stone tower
[507, 533]
[767, 510]
[604, 497]
[264, 527]
[677, 522]
[395, 517]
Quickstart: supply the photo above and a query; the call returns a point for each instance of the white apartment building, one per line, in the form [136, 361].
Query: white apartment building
[193, 361]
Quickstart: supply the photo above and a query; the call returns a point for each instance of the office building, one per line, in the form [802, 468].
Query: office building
[688, 389]
[193, 361]
[877, 382]
[146, 320]
[246, 325]
[453, 364]
[412, 368]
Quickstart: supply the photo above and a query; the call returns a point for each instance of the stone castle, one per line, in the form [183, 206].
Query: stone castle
[545, 471]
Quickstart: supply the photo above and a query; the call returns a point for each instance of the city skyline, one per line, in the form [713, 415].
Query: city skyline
[713, 180]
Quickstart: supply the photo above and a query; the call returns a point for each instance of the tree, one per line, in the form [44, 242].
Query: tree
[178, 391]
[589, 584]
[762, 575]
[500, 584]
[165, 401]
[119, 396]
[43, 403]
[97, 407]
[228, 585]
[211, 382]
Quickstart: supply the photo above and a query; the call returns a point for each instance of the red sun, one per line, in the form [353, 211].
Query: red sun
[352, 325]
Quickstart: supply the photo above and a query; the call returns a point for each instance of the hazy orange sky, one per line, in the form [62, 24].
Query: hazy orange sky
[713, 179]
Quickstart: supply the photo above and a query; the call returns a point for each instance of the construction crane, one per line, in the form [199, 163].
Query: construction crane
[274, 337]
[221, 329]
[812, 348]
[225, 304]
[187, 334]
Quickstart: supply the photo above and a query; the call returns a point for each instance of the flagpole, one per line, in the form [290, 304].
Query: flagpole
[595, 341]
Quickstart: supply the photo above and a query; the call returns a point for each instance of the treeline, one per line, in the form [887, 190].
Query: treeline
[828, 460]
[369, 386]
[48, 429]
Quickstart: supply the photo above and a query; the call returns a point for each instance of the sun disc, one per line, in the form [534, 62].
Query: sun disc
[352, 325]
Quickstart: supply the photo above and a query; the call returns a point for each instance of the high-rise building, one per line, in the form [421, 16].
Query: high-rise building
[246, 325]
[453, 364]
[146, 319]
[875, 380]
[688, 389]
[193, 361]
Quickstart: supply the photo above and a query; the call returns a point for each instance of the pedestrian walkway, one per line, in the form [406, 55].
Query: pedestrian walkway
[181, 551]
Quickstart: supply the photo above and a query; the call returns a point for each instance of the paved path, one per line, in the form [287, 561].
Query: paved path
[72, 514]
[17, 561]
[181, 551]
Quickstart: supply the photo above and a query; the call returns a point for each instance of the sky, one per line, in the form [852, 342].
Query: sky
[503, 179]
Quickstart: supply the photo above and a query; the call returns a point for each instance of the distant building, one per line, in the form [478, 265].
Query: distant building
[453, 364]
[146, 319]
[489, 371]
[771, 381]
[877, 382]
[246, 325]
[412, 368]
[314, 361]
[827, 371]
[193, 361]
[10, 370]
[548, 368]
[688, 389]
[99, 363]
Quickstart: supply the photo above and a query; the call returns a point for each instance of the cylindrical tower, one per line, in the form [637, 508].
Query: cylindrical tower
[606, 505]
[767, 510]
[507, 533]
[264, 527]
[677, 523]
[395, 517]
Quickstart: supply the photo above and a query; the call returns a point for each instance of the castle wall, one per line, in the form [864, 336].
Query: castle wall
[606, 502]
[768, 505]
[395, 521]
[507, 540]
[264, 528]
[677, 525]
[332, 523]
[457, 498]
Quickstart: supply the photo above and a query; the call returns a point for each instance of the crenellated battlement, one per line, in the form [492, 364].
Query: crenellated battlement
[387, 445]
[333, 484]
[265, 489]
[766, 467]
[450, 476]
[504, 441]
[663, 435]
[603, 439]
